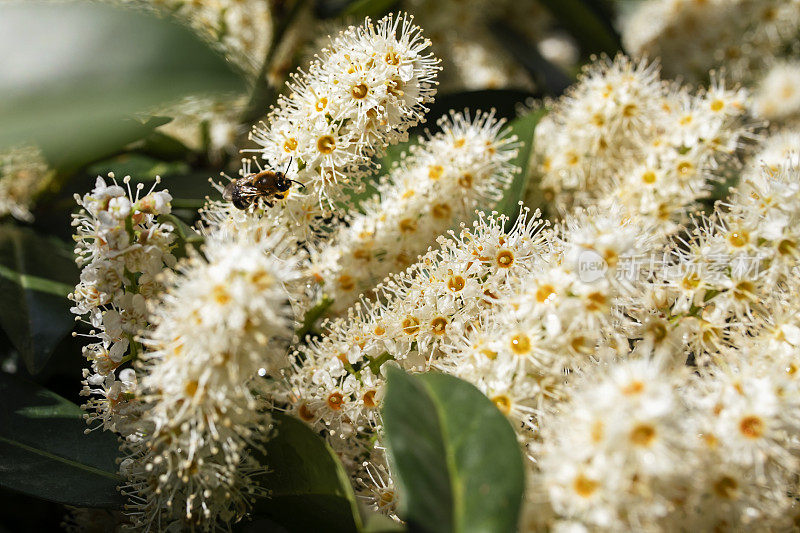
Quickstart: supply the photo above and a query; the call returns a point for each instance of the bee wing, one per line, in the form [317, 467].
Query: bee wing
[227, 194]
[236, 188]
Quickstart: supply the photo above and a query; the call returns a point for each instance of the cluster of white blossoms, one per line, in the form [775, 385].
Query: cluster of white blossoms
[200, 336]
[646, 359]
[121, 248]
[642, 447]
[692, 38]
[223, 321]
[736, 268]
[619, 433]
[335, 382]
[435, 185]
[363, 93]
[22, 173]
[581, 334]
[552, 320]
[623, 135]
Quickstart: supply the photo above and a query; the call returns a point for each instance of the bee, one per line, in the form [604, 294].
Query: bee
[267, 185]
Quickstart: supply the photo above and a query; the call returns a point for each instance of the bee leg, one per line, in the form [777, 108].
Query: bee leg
[268, 203]
[279, 197]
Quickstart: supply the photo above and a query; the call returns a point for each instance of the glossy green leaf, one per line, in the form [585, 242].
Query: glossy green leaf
[36, 274]
[524, 128]
[456, 459]
[505, 102]
[309, 489]
[144, 168]
[71, 73]
[44, 452]
[368, 8]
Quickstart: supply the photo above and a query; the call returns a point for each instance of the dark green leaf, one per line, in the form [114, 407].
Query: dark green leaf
[523, 128]
[164, 147]
[71, 72]
[589, 24]
[142, 167]
[36, 274]
[44, 452]
[368, 8]
[505, 102]
[309, 488]
[456, 459]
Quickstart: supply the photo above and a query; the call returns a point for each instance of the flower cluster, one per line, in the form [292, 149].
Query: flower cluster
[641, 447]
[588, 361]
[335, 382]
[436, 185]
[647, 359]
[693, 38]
[22, 173]
[363, 93]
[223, 320]
[738, 265]
[623, 135]
[122, 248]
[554, 318]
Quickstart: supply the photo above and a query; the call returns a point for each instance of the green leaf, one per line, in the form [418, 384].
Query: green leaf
[588, 22]
[144, 168]
[44, 452]
[524, 128]
[72, 71]
[310, 490]
[505, 102]
[456, 459]
[368, 8]
[36, 274]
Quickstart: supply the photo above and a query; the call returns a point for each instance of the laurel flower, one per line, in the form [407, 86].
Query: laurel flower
[622, 135]
[364, 92]
[22, 172]
[553, 319]
[222, 320]
[607, 456]
[121, 248]
[737, 263]
[336, 381]
[437, 184]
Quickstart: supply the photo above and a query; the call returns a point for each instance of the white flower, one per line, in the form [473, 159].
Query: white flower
[623, 136]
[363, 93]
[437, 184]
[118, 238]
[222, 320]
